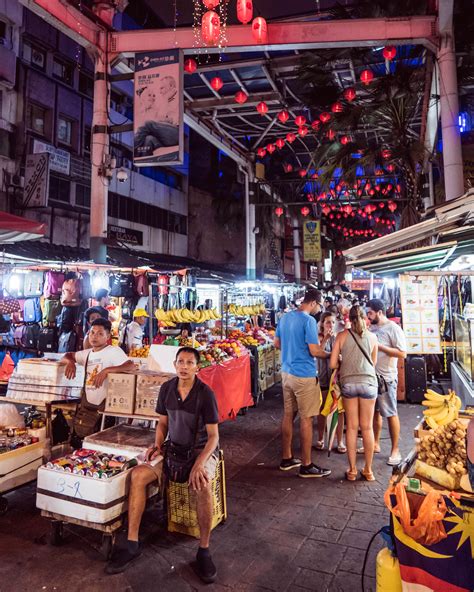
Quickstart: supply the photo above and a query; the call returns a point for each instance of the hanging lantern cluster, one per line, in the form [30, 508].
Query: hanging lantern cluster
[244, 11]
[283, 116]
[211, 28]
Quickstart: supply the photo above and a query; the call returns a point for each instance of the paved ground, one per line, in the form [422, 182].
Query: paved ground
[282, 534]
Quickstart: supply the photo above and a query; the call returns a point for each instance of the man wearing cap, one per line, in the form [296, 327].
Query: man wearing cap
[134, 331]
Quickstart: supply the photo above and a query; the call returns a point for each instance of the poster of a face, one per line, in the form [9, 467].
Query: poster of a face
[158, 108]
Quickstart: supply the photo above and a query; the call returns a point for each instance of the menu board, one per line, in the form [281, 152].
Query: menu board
[419, 298]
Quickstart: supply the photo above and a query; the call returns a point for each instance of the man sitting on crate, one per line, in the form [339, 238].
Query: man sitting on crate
[186, 448]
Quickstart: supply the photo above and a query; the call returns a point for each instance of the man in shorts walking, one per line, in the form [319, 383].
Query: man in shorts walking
[297, 337]
[184, 404]
[392, 346]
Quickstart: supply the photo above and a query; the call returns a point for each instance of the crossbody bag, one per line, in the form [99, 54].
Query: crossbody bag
[87, 418]
[382, 387]
[178, 459]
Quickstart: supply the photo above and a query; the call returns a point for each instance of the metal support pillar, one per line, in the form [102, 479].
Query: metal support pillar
[250, 236]
[452, 150]
[296, 249]
[100, 145]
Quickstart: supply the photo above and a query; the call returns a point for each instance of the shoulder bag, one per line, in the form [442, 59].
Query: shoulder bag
[178, 460]
[381, 382]
[86, 420]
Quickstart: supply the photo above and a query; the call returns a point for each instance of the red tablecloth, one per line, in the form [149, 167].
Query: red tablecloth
[231, 383]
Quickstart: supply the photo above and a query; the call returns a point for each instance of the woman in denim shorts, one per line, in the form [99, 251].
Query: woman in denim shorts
[359, 388]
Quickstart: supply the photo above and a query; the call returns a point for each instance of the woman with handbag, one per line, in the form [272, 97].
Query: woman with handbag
[99, 361]
[355, 353]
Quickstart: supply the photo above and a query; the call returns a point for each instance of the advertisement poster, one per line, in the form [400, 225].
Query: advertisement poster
[312, 240]
[158, 108]
[419, 297]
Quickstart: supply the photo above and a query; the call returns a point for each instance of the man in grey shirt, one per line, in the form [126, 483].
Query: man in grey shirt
[392, 346]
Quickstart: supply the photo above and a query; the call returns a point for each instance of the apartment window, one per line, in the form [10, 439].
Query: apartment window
[87, 142]
[33, 55]
[86, 84]
[64, 133]
[83, 195]
[63, 71]
[5, 34]
[36, 118]
[59, 189]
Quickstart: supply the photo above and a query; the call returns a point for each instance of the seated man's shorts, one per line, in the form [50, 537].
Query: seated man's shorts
[156, 465]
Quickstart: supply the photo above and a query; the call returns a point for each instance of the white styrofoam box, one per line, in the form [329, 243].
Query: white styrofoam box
[20, 466]
[49, 370]
[122, 439]
[84, 498]
[162, 357]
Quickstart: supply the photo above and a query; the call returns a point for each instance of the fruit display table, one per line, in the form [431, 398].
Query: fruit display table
[230, 380]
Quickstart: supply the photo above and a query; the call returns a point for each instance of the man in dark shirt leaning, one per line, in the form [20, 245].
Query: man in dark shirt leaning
[180, 402]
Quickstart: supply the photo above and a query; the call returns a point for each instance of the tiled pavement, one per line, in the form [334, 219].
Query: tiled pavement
[282, 533]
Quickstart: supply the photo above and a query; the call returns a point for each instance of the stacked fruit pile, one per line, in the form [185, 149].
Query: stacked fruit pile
[169, 318]
[188, 342]
[221, 351]
[441, 409]
[140, 352]
[445, 448]
[245, 311]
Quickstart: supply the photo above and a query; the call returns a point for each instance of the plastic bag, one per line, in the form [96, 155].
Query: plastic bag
[427, 527]
[7, 367]
[10, 417]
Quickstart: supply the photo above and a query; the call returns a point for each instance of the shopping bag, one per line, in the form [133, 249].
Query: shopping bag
[7, 367]
[425, 527]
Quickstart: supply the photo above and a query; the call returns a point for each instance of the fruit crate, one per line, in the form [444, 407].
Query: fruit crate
[182, 511]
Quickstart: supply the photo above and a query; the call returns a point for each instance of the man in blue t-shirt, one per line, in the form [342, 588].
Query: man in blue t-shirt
[297, 337]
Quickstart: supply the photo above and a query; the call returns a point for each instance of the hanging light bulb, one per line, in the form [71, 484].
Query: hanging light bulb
[337, 107]
[271, 148]
[300, 120]
[316, 124]
[261, 152]
[350, 94]
[325, 117]
[366, 77]
[280, 143]
[302, 131]
[290, 137]
[190, 66]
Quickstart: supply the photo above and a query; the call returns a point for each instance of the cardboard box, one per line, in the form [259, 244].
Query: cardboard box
[147, 391]
[121, 393]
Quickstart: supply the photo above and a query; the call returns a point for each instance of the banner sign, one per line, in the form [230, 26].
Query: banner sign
[36, 191]
[125, 235]
[419, 298]
[158, 108]
[59, 161]
[312, 240]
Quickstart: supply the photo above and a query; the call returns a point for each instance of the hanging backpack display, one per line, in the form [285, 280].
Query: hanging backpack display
[32, 311]
[33, 286]
[67, 342]
[51, 310]
[9, 306]
[68, 318]
[86, 286]
[19, 335]
[141, 284]
[122, 285]
[71, 294]
[14, 285]
[47, 340]
[53, 284]
[32, 334]
[5, 324]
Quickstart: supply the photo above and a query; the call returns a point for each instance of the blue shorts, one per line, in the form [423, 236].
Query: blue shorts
[364, 391]
[387, 404]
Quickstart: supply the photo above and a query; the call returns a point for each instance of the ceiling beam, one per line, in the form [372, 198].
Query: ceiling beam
[418, 30]
[227, 102]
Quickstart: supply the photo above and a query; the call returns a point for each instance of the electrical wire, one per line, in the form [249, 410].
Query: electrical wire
[367, 556]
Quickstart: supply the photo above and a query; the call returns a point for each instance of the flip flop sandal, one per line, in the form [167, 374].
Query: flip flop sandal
[367, 475]
[341, 449]
[351, 475]
[319, 445]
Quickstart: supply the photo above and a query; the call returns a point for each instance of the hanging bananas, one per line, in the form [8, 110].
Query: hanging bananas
[245, 311]
[169, 318]
[441, 409]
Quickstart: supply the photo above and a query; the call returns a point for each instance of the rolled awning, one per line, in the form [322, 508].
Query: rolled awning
[15, 228]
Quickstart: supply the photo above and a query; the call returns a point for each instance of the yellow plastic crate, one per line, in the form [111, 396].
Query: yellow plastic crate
[182, 512]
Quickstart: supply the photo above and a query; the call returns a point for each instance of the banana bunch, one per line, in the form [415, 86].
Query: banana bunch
[245, 311]
[169, 318]
[441, 409]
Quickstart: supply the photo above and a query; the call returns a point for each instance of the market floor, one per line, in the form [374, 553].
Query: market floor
[282, 533]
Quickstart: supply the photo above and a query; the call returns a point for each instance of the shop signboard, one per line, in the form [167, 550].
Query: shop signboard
[59, 160]
[125, 235]
[419, 299]
[158, 108]
[312, 240]
[35, 194]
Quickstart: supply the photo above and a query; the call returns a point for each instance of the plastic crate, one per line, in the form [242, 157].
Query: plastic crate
[182, 512]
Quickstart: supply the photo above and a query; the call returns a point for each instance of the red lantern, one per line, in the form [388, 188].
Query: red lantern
[305, 210]
[279, 211]
[381, 205]
[302, 173]
[300, 120]
[271, 148]
[302, 131]
[288, 168]
[244, 11]
[316, 124]
[260, 30]
[211, 4]
[337, 107]
[315, 176]
[366, 77]
[290, 138]
[345, 140]
[240, 97]
[210, 27]
[262, 108]
[325, 117]
[280, 143]
[389, 52]
[261, 152]
[390, 168]
[283, 116]
[350, 94]
[190, 66]
[392, 206]
[386, 153]
[331, 134]
[326, 210]
[217, 83]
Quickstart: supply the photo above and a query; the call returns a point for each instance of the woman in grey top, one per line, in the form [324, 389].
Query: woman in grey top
[326, 332]
[359, 387]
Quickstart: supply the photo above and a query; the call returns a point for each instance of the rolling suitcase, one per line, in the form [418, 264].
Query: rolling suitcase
[415, 378]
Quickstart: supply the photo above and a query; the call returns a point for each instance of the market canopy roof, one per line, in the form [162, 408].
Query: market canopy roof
[15, 228]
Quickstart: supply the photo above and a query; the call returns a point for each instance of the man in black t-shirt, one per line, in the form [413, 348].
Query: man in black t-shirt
[188, 418]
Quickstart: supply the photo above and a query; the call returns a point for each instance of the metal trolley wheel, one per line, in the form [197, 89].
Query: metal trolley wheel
[107, 545]
[56, 536]
[3, 505]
